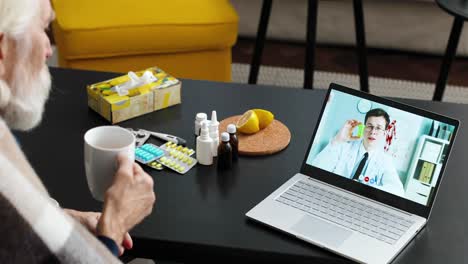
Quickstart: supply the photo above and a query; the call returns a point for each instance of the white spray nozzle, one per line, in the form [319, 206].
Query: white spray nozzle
[204, 128]
[214, 117]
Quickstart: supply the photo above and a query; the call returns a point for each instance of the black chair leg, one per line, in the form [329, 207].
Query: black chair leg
[361, 45]
[260, 41]
[448, 58]
[309, 64]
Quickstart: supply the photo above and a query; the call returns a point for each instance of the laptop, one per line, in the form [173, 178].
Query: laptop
[368, 180]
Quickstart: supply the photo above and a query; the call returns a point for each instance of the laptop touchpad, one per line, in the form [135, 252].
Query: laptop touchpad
[319, 230]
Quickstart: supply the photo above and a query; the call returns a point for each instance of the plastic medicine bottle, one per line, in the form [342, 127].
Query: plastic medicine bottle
[199, 118]
[231, 129]
[204, 146]
[224, 153]
[214, 132]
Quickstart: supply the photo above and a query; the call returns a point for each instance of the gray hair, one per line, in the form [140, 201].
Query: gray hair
[16, 16]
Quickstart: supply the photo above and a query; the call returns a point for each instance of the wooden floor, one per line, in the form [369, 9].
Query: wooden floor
[381, 63]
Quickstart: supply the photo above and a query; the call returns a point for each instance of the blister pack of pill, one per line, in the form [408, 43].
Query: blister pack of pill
[155, 165]
[174, 148]
[170, 155]
[148, 153]
[179, 163]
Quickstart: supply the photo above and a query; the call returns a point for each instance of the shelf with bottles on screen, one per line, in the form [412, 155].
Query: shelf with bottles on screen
[430, 160]
[425, 168]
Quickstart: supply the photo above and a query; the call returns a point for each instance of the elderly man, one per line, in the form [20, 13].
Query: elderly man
[33, 229]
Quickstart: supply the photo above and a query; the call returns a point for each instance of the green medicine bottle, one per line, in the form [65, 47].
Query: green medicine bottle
[360, 130]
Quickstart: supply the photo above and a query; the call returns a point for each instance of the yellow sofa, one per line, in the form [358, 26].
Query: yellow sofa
[186, 38]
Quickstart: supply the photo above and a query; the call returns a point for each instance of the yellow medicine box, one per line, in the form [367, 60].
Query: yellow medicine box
[132, 95]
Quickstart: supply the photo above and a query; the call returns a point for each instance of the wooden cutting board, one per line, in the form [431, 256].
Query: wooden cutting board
[267, 141]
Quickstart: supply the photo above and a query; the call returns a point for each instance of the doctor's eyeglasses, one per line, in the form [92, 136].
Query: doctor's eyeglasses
[377, 129]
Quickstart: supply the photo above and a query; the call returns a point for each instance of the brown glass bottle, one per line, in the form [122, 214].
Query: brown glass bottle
[231, 129]
[224, 153]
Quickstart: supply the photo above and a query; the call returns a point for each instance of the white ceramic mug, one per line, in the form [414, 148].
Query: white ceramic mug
[101, 148]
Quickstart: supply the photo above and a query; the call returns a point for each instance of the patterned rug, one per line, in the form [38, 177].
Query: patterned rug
[293, 78]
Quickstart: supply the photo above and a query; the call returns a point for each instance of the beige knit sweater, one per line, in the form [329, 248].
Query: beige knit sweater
[33, 230]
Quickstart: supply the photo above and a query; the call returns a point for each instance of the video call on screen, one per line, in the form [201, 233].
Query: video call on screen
[386, 148]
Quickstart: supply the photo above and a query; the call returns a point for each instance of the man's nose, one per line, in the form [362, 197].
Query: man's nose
[374, 131]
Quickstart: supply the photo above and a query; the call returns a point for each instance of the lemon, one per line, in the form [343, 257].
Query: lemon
[248, 123]
[265, 117]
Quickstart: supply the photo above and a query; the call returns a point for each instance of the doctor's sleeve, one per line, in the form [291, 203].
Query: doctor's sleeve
[328, 157]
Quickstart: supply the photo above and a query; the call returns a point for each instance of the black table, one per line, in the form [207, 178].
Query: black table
[200, 216]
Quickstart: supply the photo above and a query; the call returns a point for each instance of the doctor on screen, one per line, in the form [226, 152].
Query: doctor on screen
[362, 158]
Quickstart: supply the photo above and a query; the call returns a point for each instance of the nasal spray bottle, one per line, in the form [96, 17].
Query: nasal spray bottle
[204, 146]
[214, 132]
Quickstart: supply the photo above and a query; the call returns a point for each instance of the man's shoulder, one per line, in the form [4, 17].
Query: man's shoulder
[348, 145]
[342, 145]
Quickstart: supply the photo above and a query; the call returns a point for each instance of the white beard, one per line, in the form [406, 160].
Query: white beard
[29, 95]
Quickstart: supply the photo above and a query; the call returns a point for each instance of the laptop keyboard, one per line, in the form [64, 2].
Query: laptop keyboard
[346, 212]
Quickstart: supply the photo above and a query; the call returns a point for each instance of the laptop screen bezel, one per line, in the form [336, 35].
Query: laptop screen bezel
[368, 191]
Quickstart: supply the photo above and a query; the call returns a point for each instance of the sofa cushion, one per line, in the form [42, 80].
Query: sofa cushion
[90, 29]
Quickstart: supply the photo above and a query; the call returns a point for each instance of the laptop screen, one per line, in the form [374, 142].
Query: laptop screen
[374, 144]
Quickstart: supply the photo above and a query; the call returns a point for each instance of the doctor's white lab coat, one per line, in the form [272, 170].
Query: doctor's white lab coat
[342, 159]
